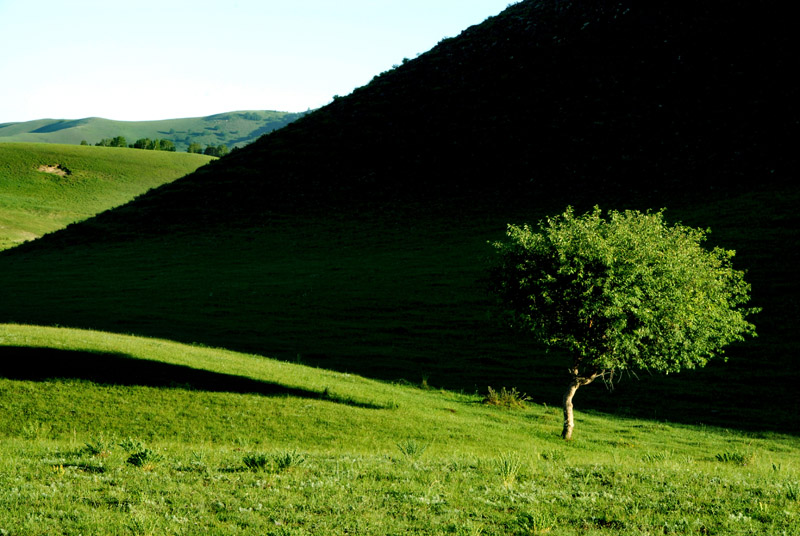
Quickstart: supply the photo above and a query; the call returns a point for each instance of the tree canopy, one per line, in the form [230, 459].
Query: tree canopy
[622, 292]
[116, 141]
[141, 143]
[210, 150]
[195, 147]
[154, 145]
[216, 150]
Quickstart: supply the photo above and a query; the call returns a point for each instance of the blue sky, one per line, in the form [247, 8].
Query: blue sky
[70, 59]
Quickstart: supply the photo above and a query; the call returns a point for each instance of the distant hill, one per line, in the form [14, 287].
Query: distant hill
[234, 129]
[45, 187]
[355, 238]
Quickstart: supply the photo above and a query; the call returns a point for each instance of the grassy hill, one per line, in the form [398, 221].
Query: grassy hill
[400, 297]
[110, 434]
[544, 99]
[45, 187]
[233, 129]
[351, 246]
[355, 238]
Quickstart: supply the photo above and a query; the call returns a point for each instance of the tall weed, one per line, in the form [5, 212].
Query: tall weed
[504, 398]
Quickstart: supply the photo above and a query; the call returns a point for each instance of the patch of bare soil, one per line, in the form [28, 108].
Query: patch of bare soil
[57, 169]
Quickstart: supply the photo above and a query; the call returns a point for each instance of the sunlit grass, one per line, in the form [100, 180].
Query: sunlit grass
[33, 202]
[371, 457]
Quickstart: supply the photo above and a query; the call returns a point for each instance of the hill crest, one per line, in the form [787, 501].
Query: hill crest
[546, 98]
[234, 129]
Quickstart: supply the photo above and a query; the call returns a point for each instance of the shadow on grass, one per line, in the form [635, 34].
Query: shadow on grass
[42, 364]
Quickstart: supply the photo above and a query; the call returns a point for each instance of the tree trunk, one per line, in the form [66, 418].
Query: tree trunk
[577, 381]
[569, 421]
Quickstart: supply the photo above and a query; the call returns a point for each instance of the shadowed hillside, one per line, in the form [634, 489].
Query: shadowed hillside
[547, 97]
[46, 364]
[355, 238]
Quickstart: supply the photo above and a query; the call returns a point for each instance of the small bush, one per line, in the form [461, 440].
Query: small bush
[392, 404]
[552, 455]
[99, 446]
[145, 459]
[412, 449]
[535, 522]
[36, 430]
[653, 457]
[131, 445]
[259, 461]
[256, 461]
[197, 464]
[736, 457]
[793, 491]
[508, 465]
[504, 398]
[287, 459]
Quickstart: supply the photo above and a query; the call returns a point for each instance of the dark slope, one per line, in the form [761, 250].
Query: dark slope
[355, 237]
[546, 97]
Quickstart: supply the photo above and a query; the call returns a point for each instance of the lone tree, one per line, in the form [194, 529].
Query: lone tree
[626, 292]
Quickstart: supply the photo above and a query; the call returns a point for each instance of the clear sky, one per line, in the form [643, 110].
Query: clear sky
[126, 60]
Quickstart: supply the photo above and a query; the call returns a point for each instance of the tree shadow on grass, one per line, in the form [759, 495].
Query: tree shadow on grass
[42, 364]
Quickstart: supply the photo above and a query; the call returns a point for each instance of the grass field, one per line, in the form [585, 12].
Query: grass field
[400, 296]
[298, 339]
[191, 440]
[233, 129]
[105, 433]
[34, 202]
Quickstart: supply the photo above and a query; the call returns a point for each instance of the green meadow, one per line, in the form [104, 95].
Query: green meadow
[146, 436]
[298, 338]
[45, 187]
[402, 296]
[372, 420]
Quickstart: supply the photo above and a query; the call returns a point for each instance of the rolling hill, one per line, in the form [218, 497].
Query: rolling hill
[355, 238]
[234, 129]
[45, 187]
[110, 434]
[545, 99]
